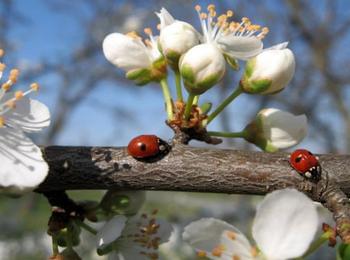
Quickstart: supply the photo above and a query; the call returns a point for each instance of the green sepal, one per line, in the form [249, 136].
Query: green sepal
[255, 86]
[206, 107]
[136, 74]
[232, 62]
[343, 252]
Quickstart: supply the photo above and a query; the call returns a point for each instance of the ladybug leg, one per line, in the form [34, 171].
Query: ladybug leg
[315, 173]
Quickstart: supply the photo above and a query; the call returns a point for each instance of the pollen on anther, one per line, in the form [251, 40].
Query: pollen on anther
[198, 8]
[19, 95]
[231, 235]
[201, 253]
[2, 121]
[34, 86]
[148, 31]
[2, 67]
[132, 35]
[236, 257]
[218, 250]
[2, 52]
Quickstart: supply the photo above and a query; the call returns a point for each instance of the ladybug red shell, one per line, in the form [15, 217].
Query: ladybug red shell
[305, 163]
[146, 146]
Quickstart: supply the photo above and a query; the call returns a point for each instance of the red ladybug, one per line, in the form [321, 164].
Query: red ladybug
[146, 146]
[304, 162]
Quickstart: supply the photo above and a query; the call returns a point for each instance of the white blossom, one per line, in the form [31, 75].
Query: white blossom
[284, 226]
[270, 71]
[22, 165]
[274, 129]
[138, 237]
[230, 40]
[176, 37]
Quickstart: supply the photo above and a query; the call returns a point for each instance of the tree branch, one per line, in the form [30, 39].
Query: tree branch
[200, 170]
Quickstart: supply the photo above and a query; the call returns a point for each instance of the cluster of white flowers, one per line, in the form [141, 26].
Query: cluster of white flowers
[22, 165]
[200, 59]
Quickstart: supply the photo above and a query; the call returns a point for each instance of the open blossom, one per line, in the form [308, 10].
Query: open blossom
[22, 165]
[284, 226]
[141, 60]
[270, 71]
[274, 129]
[176, 37]
[221, 39]
[138, 237]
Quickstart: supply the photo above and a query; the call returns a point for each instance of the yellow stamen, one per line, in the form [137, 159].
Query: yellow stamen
[231, 235]
[148, 31]
[236, 257]
[201, 253]
[218, 250]
[158, 26]
[203, 16]
[6, 86]
[2, 121]
[19, 95]
[34, 86]
[2, 67]
[14, 75]
[11, 104]
[2, 52]
[133, 35]
[229, 13]
[198, 8]
[254, 251]
[211, 7]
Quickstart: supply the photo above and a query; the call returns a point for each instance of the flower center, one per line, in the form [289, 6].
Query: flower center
[214, 26]
[10, 104]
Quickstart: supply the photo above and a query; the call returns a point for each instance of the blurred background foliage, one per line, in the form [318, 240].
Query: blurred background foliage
[58, 44]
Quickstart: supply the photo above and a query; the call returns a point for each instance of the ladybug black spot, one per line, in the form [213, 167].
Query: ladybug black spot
[298, 159]
[310, 153]
[142, 147]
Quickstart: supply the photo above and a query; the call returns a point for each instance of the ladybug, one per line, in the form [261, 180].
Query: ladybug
[147, 146]
[305, 163]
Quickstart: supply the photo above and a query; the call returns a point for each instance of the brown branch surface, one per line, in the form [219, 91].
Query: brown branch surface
[199, 170]
[183, 169]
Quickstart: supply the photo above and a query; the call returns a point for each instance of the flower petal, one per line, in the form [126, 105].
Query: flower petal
[208, 233]
[240, 47]
[279, 46]
[165, 18]
[22, 165]
[111, 231]
[127, 53]
[29, 115]
[285, 224]
[281, 128]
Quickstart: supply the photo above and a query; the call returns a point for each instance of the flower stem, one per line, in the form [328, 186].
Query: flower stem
[242, 134]
[223, 105]
[86, 227]
[189, 106]
[178, 86]
[195, 100]
[55, 250]
[167, 98]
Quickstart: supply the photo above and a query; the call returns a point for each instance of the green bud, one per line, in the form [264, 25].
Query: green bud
[232, 62]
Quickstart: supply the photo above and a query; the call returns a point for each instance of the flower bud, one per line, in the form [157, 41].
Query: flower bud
[176, 37]
[269, 72]
[140, 62]
[274, 129]
[201, 68]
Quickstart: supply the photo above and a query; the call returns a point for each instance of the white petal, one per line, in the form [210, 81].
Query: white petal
[240, 47]
[29, 115]
[281, 128]
[165, 18]
[111, 230]
[125, 52]
[285, 224]
[22, 165]
[278, 46]
[207, 233]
